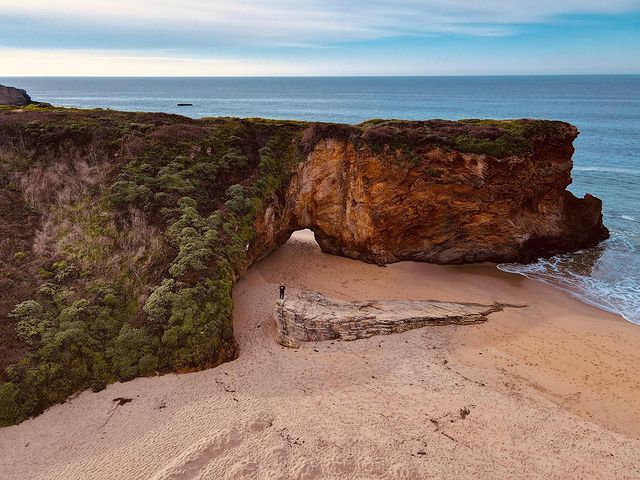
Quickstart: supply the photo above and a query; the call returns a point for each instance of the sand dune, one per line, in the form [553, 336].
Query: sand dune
[547, 391]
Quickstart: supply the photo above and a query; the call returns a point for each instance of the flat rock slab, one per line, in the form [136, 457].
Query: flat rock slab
[312, 317]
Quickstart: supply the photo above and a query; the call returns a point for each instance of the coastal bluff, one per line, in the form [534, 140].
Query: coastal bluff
[14, 96]
[486, 200]
[122, 235]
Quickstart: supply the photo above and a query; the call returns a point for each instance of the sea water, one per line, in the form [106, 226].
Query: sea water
[606, 110]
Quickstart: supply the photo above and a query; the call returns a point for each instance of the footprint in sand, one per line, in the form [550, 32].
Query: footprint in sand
[191, 462]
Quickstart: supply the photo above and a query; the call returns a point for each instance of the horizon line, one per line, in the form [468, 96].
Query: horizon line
[337, 76]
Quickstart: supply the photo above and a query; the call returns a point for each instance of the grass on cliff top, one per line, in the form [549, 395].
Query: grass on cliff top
[497, 138]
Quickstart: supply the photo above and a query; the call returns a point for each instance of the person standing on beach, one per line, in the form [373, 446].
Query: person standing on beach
[282, 287]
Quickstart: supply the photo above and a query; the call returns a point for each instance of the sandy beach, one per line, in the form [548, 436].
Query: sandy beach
[549, 390]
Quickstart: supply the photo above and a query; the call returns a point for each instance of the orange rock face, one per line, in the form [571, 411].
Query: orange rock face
[441, 206]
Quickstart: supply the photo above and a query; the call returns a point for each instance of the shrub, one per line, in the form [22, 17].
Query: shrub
[237, 202]
[75, 312]
[158, 305]
[100, 373]
[9, 410]
[195, 236]
[32, 322]
[133, 353]
[198, 323]
[234, 159]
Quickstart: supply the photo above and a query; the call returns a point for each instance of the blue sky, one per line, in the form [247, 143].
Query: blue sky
[313, 37]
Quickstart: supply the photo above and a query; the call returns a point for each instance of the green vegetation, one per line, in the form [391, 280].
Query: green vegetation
[137, 272]
[144, 221]
[496, 138]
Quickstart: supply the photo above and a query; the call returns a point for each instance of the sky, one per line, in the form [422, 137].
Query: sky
[318, 37]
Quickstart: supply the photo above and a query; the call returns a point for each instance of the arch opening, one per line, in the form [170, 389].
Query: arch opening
[305, 235]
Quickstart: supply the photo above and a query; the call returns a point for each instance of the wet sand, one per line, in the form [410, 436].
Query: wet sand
[546, 391]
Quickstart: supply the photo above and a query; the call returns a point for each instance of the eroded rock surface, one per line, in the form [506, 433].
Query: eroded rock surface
[312, 317]
[440, 205]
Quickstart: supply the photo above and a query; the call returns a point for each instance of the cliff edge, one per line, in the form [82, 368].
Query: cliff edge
[14, 96]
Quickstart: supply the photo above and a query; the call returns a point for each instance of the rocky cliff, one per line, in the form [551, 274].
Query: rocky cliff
[13, 96]
[437, 204]
[122, 234]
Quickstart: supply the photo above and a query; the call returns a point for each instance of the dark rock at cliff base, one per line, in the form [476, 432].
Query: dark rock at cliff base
[14, 96]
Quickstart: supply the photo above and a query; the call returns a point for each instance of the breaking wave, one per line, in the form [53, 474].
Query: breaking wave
[625, 171]
[607, 277]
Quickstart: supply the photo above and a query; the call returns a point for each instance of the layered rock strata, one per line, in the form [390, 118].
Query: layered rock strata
[312, 317]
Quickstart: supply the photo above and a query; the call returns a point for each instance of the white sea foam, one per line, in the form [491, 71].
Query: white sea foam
[626, 171]
[612, 287]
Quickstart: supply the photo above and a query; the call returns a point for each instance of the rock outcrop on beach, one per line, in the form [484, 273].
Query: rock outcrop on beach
[312, 317]
[14, 96]
[438, 205]
[123, 234]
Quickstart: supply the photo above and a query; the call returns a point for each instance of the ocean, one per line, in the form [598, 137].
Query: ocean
[605, 108]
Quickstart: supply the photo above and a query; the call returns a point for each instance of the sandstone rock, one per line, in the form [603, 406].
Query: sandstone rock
[435, 204]
[312, 317]
[14, 96]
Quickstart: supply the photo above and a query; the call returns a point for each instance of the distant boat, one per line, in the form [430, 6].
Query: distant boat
[185, 104]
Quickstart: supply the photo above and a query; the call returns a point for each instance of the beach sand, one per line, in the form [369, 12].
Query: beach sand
[551, 390]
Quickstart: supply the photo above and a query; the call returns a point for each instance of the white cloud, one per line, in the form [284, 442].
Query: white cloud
[30, 62]
[218, 37]
[37, 62]
[18, 62]
[311, 21]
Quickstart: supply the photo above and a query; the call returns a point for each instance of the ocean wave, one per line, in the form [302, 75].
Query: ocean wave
[608, 287]
[626, 171]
